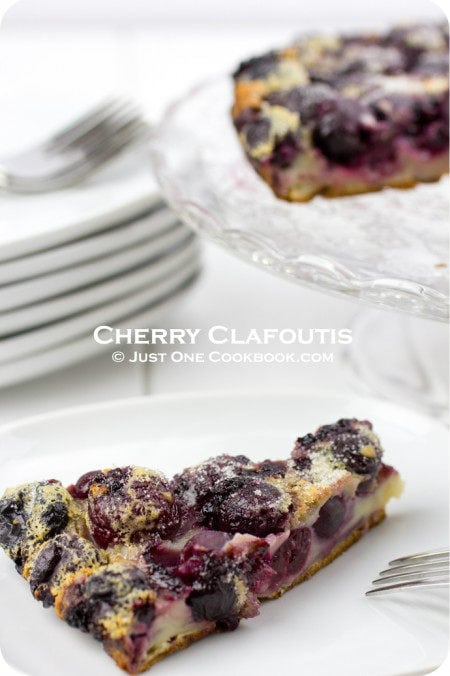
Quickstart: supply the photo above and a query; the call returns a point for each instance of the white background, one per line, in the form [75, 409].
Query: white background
[295, 13]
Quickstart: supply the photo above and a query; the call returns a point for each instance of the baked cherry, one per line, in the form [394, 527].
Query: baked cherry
[331, 517]
[291, 556]
[350, 442]
[80, 489]
[59, 556]
[246, 505]
[108, 591]
[339, 132]
[257, 67]
[130, 504]
[196, 484]
[217, 603]
[30, 515]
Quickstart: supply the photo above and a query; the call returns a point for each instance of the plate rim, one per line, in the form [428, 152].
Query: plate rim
[107, 241]
[202, 395]
[94, 224]
[48, 336]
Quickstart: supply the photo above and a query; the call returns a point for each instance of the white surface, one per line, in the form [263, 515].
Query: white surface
[326, 621]
[68, 304]
[30, 223]
[189, 12]
[55, 283]
[87, 248]
[229, 292]
[44, 362]
[172, 272]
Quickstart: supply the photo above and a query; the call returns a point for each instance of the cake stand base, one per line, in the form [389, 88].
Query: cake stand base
[401, 358]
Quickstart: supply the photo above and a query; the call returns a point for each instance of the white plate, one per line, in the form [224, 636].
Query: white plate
[184, 263]
[55, 358]
[56, 308]
[323, 626]
[30, 223]
[117, 237]
[30, 291]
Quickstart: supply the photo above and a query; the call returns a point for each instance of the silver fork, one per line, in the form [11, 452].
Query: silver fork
[76, 151]
[426, 569]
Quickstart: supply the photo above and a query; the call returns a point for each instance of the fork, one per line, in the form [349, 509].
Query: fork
[426, 569]
[78, 150]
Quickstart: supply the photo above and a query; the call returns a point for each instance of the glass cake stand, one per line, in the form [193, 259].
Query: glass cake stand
[389, 248]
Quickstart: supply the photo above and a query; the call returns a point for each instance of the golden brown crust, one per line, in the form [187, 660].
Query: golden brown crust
[247, 95]
[182, 642]
[373, 520]
[351, 188]
[178, 643]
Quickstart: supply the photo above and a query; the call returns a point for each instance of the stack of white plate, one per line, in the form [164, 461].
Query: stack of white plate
[108, 252]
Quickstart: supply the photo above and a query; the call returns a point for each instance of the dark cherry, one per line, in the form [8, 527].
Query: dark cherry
[258, 132]
[348, 448]
[80, 489]
[435, 137]
[160, 574]
[206, 541]
[196, 484]
[310, 101]
[63, 554]
[43, 570]
[165, 554]
[269, 468]
[245, 505]
[104, 591]
[348, 442]
[291, 556]
[55, 517]
[339, 133]
[432, 63]
[50, 517]
[365, 487]
[256, 68]
[373, 59]
[217, 604]
[245, 118]
[199, 552]
[12, 525]
[285, 151]
[129, 504]
[331, 517]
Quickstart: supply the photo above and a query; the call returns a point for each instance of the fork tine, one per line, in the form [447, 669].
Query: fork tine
[108, 151]
[119, 124]
[101, 128]
[413, 584]
[84, 123]
[105, 151]
[75, 152]
[387, 579]
[424, 569]
[438, 553]
[107, 147]
[411, 567]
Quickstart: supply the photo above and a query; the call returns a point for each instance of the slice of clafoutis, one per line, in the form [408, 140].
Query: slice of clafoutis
[147, 565]
[347, 114]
